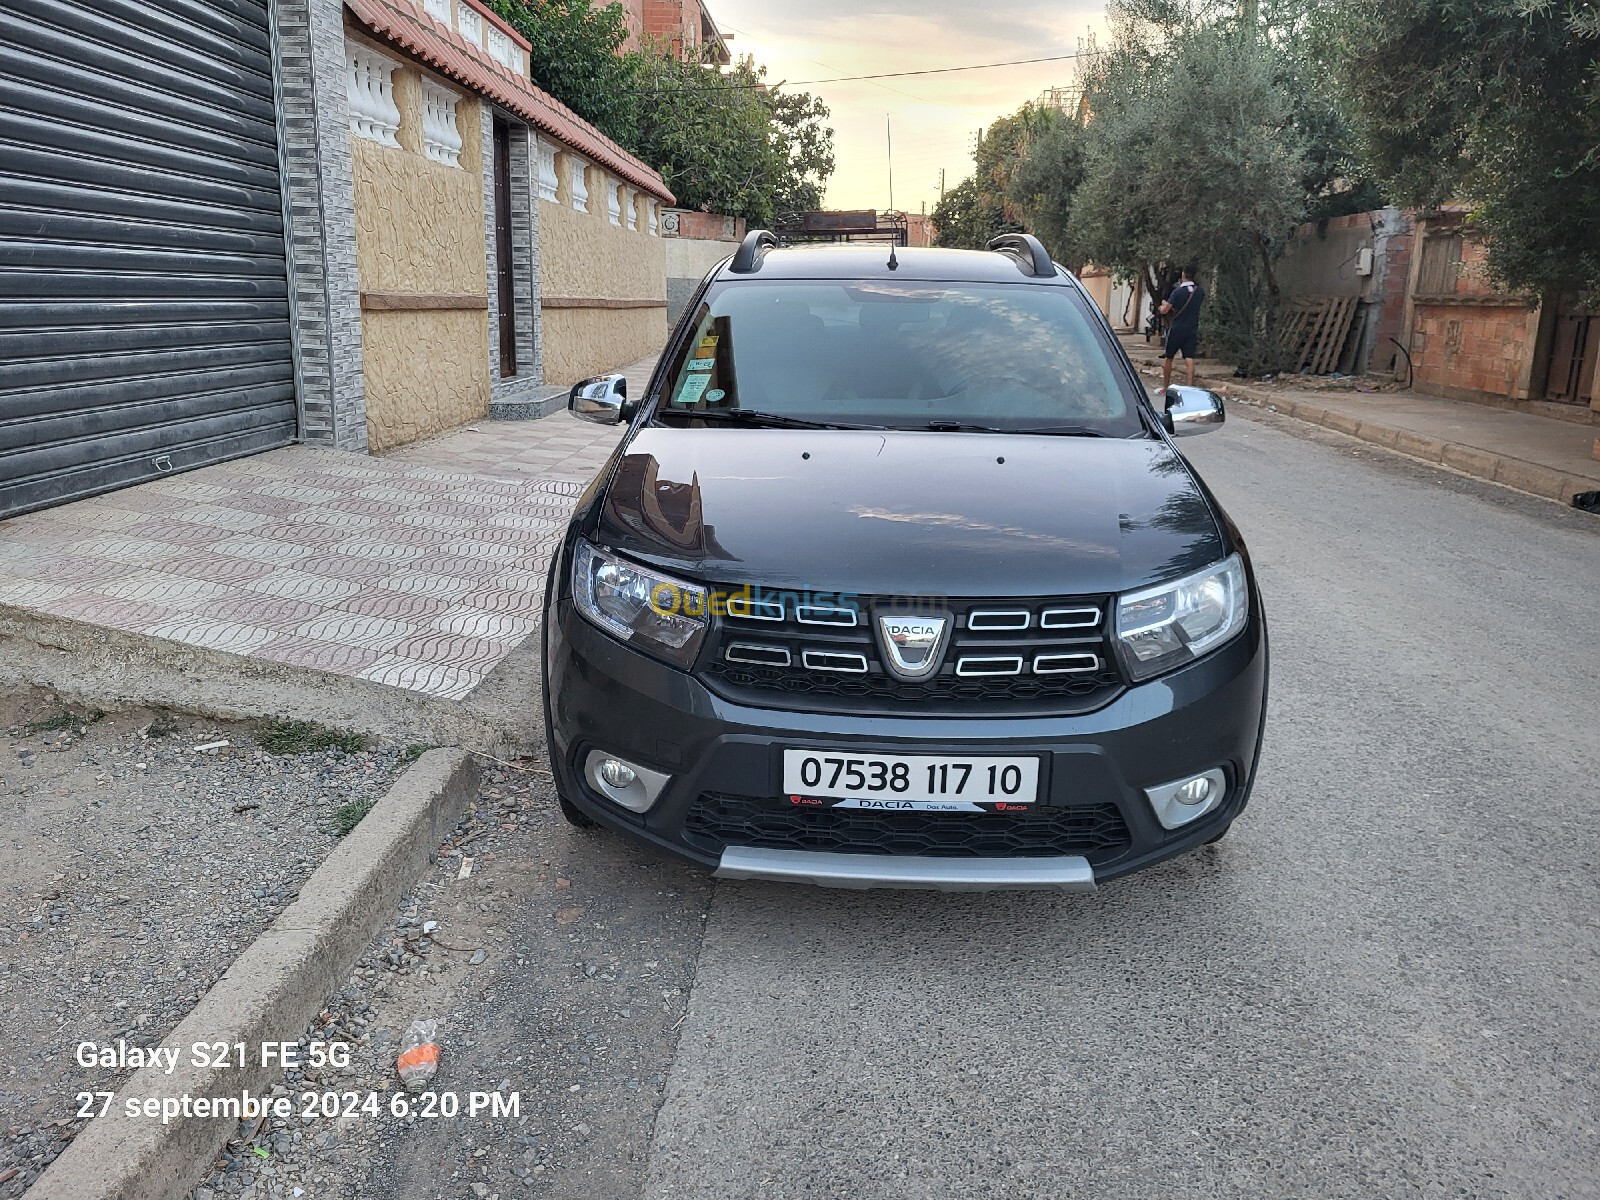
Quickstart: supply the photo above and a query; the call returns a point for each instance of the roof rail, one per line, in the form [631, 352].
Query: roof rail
[747, 259]
[1029, 252]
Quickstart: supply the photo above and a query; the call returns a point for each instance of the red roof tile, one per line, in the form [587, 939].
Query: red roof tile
[402, 24]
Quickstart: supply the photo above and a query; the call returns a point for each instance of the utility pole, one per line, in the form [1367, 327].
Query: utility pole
[941, 185]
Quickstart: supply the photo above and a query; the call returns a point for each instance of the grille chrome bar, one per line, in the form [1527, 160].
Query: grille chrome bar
[1069, 618]
[754, 655]
[834, 660]
[825, 614]
[748, 609]
[1066, 664]
[980, 621]
[981, 666]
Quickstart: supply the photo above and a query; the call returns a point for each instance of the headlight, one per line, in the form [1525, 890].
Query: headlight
[660, 615]
[1164, 627]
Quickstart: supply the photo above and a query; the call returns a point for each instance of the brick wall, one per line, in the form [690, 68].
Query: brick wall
[704, 226]
[1468, 340]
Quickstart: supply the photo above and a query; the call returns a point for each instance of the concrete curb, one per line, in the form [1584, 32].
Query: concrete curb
[271, 993]
[105, 667]
[1517, 474]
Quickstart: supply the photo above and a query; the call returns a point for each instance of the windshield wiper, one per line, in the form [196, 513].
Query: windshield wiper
[752, 416]
[1056, 430]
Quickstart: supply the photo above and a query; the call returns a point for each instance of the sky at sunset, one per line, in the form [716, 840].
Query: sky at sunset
[934, 117]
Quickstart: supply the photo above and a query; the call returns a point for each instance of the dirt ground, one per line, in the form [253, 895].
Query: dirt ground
[557, 963]
[140, 851]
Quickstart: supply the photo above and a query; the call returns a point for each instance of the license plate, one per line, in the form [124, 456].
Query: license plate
[915, 782]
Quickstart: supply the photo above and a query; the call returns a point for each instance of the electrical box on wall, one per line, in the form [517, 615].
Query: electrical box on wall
[1364, 261]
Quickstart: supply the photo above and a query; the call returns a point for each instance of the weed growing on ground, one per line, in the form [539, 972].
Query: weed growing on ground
[347, 816]
[281, 736]
[164, 725]
[415, 751]
[65, 719]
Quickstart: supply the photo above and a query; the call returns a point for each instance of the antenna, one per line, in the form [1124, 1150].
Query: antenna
[888, 133]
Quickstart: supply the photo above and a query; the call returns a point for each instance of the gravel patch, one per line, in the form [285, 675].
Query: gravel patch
[141, 852]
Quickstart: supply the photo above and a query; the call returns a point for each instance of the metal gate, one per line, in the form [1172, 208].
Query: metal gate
[144, 312]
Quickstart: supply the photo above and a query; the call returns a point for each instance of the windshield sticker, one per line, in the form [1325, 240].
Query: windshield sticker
[707, 347]
[702, 364]
[692, 388]
[715, 395]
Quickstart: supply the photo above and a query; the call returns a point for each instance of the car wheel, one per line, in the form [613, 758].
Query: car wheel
[1210, 841]
[575, 815]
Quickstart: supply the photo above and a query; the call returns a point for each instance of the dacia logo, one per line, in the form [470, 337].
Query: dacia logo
[913, 646]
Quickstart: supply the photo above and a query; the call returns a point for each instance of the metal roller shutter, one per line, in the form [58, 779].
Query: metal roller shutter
[144, 312]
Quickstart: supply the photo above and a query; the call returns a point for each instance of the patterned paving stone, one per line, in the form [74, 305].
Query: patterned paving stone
[297, 585]
[453, 649]
[501, 627]
[436, 679]
[214, 635]
[419, 570]
[355, 629]
[163, 587]
[334, 657]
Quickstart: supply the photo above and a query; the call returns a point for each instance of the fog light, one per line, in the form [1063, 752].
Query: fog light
[628, 784]
[1184, 800]
[620, 774]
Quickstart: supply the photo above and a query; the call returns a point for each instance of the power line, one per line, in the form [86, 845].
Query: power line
[1020, 62]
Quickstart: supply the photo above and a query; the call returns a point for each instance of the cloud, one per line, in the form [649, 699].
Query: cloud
[934, 117]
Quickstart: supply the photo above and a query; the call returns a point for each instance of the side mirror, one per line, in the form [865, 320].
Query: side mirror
[602, 399]
[1192, 410]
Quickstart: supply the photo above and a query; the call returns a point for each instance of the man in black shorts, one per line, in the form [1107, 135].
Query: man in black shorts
[1183, 307]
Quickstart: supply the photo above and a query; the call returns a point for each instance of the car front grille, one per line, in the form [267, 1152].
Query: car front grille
[1096, 832]
[1035, 655]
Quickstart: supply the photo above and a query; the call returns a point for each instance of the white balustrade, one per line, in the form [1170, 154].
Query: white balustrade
[369, 81]
[441, 139]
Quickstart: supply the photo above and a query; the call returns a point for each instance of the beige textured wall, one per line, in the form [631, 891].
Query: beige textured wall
[419, 230]
[583, 256]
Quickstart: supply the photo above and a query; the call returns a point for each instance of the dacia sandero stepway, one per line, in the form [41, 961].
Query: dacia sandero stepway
[896, 578]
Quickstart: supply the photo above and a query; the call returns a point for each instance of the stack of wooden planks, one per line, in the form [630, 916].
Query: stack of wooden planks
[1315, 330]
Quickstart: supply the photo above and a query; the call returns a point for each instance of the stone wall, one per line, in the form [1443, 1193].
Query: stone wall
[603, 287]
[419, 246]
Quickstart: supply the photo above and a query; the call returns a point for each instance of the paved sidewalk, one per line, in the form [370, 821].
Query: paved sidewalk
[1543, 456]
[422, 570]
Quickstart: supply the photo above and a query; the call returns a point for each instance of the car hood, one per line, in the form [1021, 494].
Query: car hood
[908, 513]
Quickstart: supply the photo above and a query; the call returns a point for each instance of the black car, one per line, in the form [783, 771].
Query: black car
[896, 579]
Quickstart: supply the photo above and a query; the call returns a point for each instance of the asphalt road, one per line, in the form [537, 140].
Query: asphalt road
[1385, 982]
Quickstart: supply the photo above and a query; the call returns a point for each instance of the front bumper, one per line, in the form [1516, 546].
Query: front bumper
[600, 694]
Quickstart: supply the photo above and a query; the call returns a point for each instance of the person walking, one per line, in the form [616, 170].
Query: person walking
[1183, 335]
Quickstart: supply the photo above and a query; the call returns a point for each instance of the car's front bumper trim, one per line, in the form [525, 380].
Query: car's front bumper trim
[1065, 873]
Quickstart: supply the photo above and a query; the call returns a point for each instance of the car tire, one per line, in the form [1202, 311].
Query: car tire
[1210, 841]
[575, 816]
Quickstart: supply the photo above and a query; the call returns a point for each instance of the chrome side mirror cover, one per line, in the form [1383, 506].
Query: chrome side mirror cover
[1192, 410]
[602, 399]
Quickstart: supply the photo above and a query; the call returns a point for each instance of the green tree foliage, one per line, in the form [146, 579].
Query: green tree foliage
[727, 144]
[1044, 184]
[723, 141]
[1190, 153]
[577, 58]
[965, 220]
[1496, 103]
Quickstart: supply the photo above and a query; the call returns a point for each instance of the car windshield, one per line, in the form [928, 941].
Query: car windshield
[913, 355]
